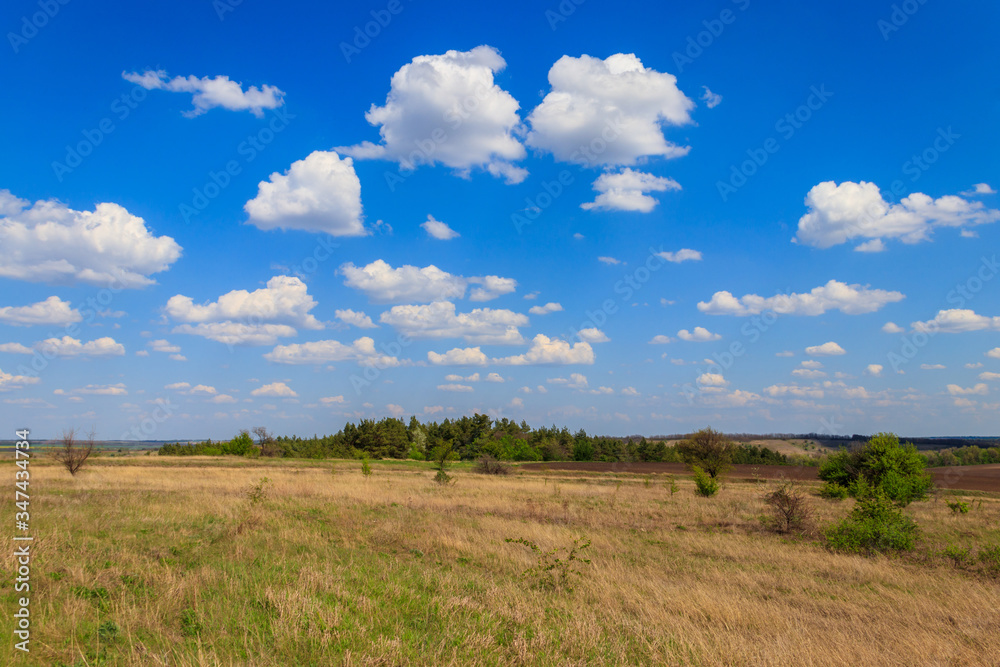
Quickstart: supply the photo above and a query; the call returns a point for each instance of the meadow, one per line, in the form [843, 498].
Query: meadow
[226, 561]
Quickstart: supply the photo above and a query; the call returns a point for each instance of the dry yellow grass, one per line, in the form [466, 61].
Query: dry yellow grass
[339, 569]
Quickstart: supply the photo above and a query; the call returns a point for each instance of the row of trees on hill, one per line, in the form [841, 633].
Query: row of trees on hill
[470, 437]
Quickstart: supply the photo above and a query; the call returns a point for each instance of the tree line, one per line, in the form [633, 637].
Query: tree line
[469, 437]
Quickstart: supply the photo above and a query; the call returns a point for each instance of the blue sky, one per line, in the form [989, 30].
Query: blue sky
[621, 217]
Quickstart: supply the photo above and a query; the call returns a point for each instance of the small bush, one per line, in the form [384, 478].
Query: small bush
[789, 510]
[487, 465]
[73, 453]
[875, 525]
[551, 571]
[990, 557]
[257, 493]
[107, 631]
[366, 468]
[958, 555]
[704, 484]
[958, 507]
[833, 491]
[443, 478]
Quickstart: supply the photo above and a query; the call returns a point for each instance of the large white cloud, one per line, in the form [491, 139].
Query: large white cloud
[835, 295]
[361, 350]
[615, 103]
[840, 213]
[958, 320]
[67, 346]
[51, 311]
[211, 92]
[545, 350]
[440, 320]
[384, 284]
[248, 318]
[447, 109]
[50, 242]
[627, 191]
[321, 193]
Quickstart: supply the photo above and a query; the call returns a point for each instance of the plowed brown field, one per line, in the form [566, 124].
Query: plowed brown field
[967, 478]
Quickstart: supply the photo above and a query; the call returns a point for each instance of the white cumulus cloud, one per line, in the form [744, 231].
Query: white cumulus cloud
[440, 320]
[52, 243]
[550, 307]
[616, 100]
[321, 194]
[447, 109]
[682, 255]
[545, 350]
[51, 311]
[958, 320]
[840, 213]
[699, 335]
[355, 318]
[627, 191]
[275, 389]
[469, 356]
[980, 389]
[362, 351]
[828, 349]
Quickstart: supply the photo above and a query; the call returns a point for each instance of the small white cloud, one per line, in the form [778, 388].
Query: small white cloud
[892, 328]
[608, 260]
[786, 353]
[439, 230]
[68, 346]
[994, 353]
[712, 380]
[592, 335]
[977, 364]
[682, 255]
[980, 389]
[932, 367]
[469, 356]
[550, 307]
[811, 363]
[630, 391]
[545, 350]
[355, 318]
[222, 398]
[872, 246]
[627, 191]
[163, 346]
[699, 335]
[332, 400]
[277, 389]
[957, 320]
[825, 350]
[874, 370]
[211, 92]
[710, 99]
[395, 410]
[463, 388]
[494, 377]
[989, 376]
[362, 351]
[979, 189]
[660, 339]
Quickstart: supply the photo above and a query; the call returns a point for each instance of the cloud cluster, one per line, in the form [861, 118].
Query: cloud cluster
[211, 92]
[361, 351]
[447, 109]
[381, 283]
[627, 191]
[49, 242]
[9, 381]
[440, 320]
[617, 101]
[699, 335]
[68, 346]
[248, 318]
[835, 295]
[839, 213]
[321, 194]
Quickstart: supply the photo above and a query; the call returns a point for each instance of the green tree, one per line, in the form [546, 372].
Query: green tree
[709, 450]
[882, 465]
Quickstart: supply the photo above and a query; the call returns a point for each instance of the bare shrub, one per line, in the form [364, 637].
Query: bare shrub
[73, 452]
[488, 465]
[788, 507]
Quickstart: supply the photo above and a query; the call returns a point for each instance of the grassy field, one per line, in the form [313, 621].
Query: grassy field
[154, 561]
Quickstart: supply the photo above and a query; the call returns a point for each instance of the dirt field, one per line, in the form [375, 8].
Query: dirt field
[966, 478]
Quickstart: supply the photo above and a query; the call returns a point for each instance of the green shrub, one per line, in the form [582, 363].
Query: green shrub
[833, 491]
[107, 631]
[958, 507]
[709, 450]
[551, 571]
[958, 555]
[990, 557]
[705, 485]
[366, 468]
[875, 525]
[881, 463]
